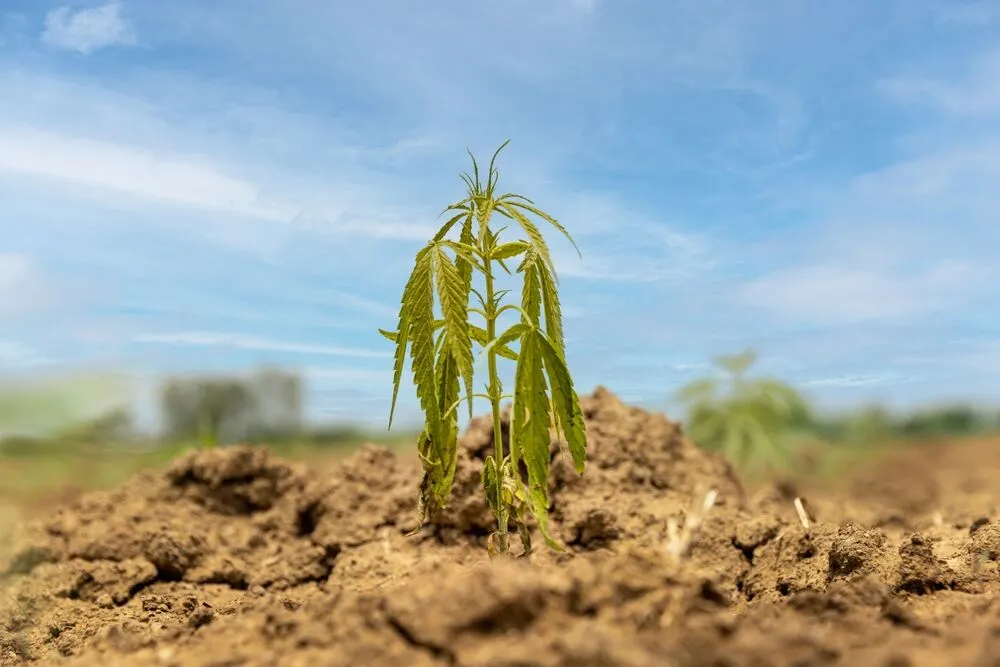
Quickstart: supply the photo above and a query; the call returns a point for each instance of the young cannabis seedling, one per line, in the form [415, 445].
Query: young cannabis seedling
[442, 361]
[753, 423]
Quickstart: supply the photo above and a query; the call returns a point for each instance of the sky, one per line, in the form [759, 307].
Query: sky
[195, 186]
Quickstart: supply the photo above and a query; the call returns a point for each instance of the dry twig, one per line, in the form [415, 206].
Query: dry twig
[680, 538]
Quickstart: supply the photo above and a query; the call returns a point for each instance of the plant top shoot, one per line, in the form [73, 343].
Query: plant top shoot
[442, 361]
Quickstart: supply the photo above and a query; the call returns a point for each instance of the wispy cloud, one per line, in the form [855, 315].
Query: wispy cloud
[23, 287]
[16, 356]
[847, 381]
[88, 30]
[130, 171]
[246, 342]
[972, 92]
[850, 293]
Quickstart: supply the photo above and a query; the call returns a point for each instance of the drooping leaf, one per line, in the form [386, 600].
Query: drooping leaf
[465, 273]
[455, 306]
[553, 311]
[463, 212]
[394, 335]
[509, 250]
[565, 402]
[514, 332]
[402, 338]
[478, 334]
[531, 289]
[528, 205]
[530, 430]
[418, 309]
[447, 372]
[535, 238]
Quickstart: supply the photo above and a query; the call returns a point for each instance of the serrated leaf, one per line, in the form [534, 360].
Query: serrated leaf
[531, 289]
[478, 334]
[455, 306]
[509, 250]
[446, 227]
[536, 240]
[418, 308]
[530, 431]
[553, 311]
[507, 337]
[447, 376]
[528, 205]
[565, 402]
[465, 273]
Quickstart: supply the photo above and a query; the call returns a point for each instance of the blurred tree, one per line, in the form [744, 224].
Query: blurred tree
[266, 406]
[113, 426]
[203, 407]
[279, 405]
[752, 422]
[946, 420]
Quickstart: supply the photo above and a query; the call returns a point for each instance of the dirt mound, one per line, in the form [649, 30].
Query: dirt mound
[233, 557]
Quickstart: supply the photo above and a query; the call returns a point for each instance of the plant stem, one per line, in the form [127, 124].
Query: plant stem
[495, 391]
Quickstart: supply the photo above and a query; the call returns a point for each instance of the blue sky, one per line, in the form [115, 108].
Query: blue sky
[193, 185]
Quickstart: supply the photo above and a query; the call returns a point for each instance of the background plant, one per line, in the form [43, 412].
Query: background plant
[751, 420]
[442, 361]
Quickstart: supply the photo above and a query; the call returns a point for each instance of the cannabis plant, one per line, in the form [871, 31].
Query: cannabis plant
[752, 423]
[435, 323]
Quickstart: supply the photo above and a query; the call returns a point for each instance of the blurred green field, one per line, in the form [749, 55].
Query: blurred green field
[68, 436]
[35, 475]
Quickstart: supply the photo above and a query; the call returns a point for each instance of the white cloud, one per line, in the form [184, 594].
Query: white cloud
[246, 342]
[329, 376]
[842, 293]
[974, 93]
[15, 355]
[88, 30]
[618, 244]
[846, 381]
[130, 170]
[22, 285]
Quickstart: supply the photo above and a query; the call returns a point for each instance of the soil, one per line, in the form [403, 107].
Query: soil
[233, 557]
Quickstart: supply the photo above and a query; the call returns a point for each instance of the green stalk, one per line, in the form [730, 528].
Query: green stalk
[495, 391]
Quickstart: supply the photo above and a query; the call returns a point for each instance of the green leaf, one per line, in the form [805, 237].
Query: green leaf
[446, 227]
[455, 306]
[509, 250]
[394, 335]
[510, 335]
[418, 310]
[478, 334]
[447, 375]
[528, 205]
[530, 436]
[531, 289]
[553, 311]
[537, 242]
[565, 402]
